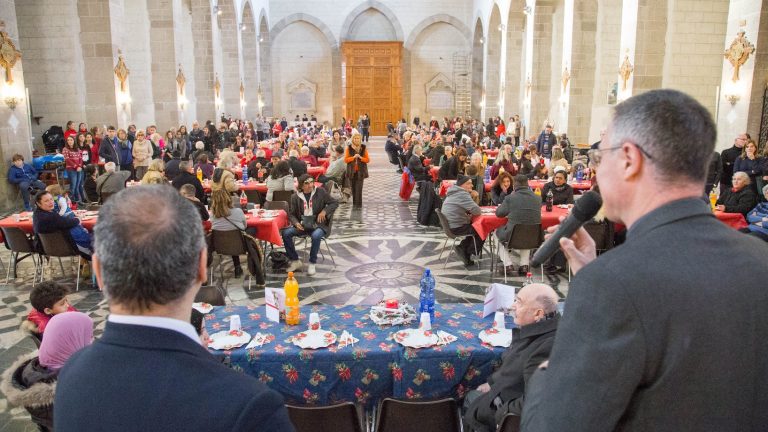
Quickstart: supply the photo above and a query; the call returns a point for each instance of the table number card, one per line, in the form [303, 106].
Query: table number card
[275, 303]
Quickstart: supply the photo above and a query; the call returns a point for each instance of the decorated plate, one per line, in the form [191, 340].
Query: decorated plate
[227, 340]
[313, 339]
[416, 338]
[202, 307]
[496, 337]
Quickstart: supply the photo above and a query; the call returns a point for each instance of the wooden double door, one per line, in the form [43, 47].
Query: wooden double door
[372, 83]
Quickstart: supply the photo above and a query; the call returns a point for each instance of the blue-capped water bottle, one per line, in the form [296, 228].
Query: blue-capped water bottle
[427, 294]
[245, 174]
[487, 174]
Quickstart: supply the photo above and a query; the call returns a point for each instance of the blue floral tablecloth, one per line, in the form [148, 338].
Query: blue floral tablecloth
[374, 368]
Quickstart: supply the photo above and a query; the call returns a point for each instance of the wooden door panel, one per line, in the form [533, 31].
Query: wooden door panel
[373, 82]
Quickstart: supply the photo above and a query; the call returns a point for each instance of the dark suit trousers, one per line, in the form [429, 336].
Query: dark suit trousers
[467, 244]
[479, 413]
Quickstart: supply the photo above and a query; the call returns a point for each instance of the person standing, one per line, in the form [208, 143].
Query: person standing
[672, 344]
[365, 127]
[73, 163]
[149, 370]
[546, 142]
[142, 154]
[356, 158]
[728, 157]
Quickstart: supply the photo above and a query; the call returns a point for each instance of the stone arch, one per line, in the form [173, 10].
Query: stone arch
[515, 71]
[477, 68]
[364, 6]
[250, 48]
[290, 19]
[493, 63]
[426, 22]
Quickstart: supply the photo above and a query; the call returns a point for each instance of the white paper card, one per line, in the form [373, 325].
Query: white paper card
[275, 303]
[499, 296]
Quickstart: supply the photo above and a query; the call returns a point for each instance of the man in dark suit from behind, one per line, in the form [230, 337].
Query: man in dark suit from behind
[536, 318]
[149, 372]
[667, 331]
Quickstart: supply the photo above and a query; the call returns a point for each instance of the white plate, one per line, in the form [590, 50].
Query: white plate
[202, 307]
[496, 337]
[416, 338]
[224, 341]
[314, 339]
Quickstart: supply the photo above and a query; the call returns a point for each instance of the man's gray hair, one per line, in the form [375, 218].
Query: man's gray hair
[184, 165]
[418, 148]
[765, 189]
[673, 128]
[547, 303]
[744, 176]
[110, 167]
[293, 153]
[149, 263]
[199, 145]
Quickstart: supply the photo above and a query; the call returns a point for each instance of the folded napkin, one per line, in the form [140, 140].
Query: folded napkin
[259, 340]
[444, 338]
[347, 339]
[381, 315]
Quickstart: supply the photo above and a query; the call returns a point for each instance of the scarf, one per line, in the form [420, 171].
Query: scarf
[65, 334]
[307, 206]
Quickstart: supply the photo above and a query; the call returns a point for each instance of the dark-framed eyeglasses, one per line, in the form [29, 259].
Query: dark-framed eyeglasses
[596, 155]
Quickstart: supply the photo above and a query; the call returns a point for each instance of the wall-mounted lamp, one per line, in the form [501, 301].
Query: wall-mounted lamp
[123, 98]
[183, 102]
[527, 10]
[261, 38]
[243, 27]
[732, 98]
[11, 96]
[217, 10]
[502, 27]
[482, 40]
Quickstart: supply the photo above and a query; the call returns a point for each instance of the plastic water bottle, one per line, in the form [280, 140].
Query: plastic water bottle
[487, 177]
[245, 174]
[291, 289]
[427, 294]
[579, 174]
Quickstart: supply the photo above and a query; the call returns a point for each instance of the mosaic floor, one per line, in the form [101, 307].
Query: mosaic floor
[380, 251]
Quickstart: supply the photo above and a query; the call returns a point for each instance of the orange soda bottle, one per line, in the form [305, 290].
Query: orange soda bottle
[291, 288]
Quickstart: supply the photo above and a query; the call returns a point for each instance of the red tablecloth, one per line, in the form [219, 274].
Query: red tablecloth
[577, 186]
[445, 184]
[324, 162]
[492, 153]
[316, 171]
[486, 223]
[252, 185]
[268, 229]
[26, 225]
[733, 220]
[434, 172]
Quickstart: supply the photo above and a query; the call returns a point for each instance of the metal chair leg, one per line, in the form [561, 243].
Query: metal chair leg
[11, 264]
[62, 267]
[77, 281]
[445, 243]
[330, 253]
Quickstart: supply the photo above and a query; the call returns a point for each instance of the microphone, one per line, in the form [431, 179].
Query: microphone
[585, 209]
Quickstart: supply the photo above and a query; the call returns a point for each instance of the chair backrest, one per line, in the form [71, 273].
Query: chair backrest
[228, 242]
[401, 416]
[444, 224]
[211, 294]
[601, 233]
[276, 205]
[344, 417]
[56, 244]
[253, 196]
[510, 423]
[18, 241]
[282, 196]
[526, 236]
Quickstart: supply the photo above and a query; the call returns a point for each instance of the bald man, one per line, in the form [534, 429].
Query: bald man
[536, 317]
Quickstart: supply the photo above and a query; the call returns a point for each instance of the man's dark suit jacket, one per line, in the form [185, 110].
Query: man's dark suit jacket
[666, 332]
[139, 378]
[530, 347]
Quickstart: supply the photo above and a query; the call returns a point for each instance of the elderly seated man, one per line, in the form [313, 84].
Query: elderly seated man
[738, 199]
[336, 169]
[416, 165]
[458, 208]
[536, 318]
[112, 181]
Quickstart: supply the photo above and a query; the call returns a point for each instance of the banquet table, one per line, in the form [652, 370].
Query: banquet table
[533, 184]
[252, 185]
[314, 171]
[434, 172]
[373, 368]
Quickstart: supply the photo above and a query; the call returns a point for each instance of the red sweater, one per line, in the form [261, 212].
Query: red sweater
[41, 319]
[73, 159]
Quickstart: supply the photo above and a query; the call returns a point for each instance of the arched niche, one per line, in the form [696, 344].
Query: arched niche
[378, 15]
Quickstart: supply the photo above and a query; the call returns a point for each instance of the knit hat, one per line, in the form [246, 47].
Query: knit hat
[462, 179]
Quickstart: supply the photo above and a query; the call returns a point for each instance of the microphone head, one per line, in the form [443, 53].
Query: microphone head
[587, 206]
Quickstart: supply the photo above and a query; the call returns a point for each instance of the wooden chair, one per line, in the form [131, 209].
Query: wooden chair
[57, 245]
[229, 243]
[510, 423]
[525, 237]
[344, 417]
[451, 236]
[18, 242]
[406, 416]
[253, 196]
[282, 196]
[601, 233]
[276, 205]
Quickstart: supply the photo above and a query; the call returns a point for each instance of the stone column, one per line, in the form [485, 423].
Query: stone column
[759, 80]
[14, 123]
[203, 48]
[230, 54]
[99, 59]
[649, 48]
[164, 64]
[582, 70]
[605, 53]
[514, 89]
[542, 65]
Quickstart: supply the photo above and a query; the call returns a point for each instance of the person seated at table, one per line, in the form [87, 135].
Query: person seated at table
[758, 219]
[61, 202]
[280, 179]
[562, 192]
[435, 149]
[311, 210]
[447, 154]
[223, 176]
[526, 166]
[45, 220]
[520, 207]
[416, 165]
[297, 167]
[247, 158]
[228, 217]
[188, 191]
[536, 319]
[24, 176]
[453, 166]
[199, 151]
[308, 158]
[89, 185]
[186, 176]
[503, 163]
[540, 172]
[273, 161]
[501, 187]
[112, 181]
[257, 166]
[31, 380]
[318, 150]
[48, 299]
[205, 166]
[739, 198]
[336, 168]
[478, 184]
[458, 208]
[559, 160]
[476, 160]
[155, 173]
[172, 166]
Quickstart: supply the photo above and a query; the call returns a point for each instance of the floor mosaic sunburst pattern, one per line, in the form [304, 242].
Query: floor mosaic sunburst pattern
[380, 252]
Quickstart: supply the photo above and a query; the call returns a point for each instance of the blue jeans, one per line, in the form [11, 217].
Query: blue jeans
[76, 185]
[290, 250]
[24, 187]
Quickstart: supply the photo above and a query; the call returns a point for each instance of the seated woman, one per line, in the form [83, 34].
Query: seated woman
[280, 179]
[526, 166]
[540, 172]
[502, 187]
[223, 176]
[46, 220]
[227, 217]
[447, 153]
[308, 158]
[758, 218]
[739, 198]
[247, 158]
[155, 173]
[453, 166]
[478, 184]
[31, 381]
[562, 192]
[503, 163]
[89, 186]
[205, 166]
[559, 160]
